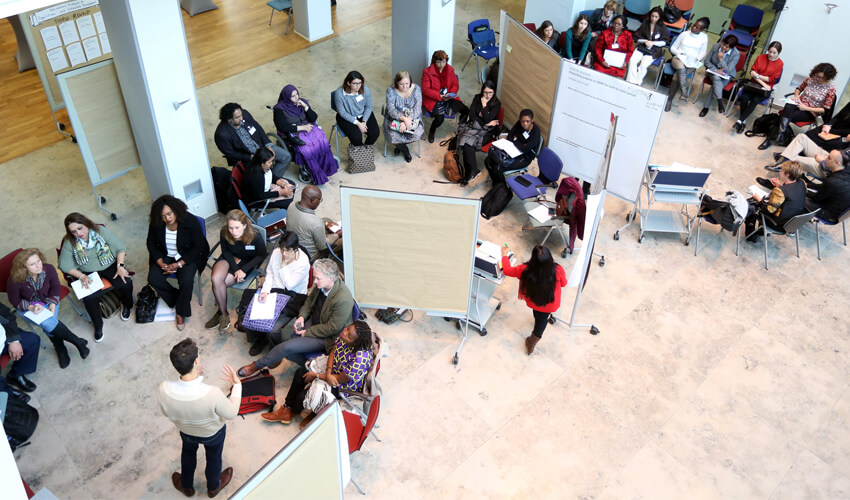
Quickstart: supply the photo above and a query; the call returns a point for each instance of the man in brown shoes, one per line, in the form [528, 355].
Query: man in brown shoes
[199, 412]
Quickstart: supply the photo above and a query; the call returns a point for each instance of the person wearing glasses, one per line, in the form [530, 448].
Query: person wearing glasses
[354, 110]
[481, 128]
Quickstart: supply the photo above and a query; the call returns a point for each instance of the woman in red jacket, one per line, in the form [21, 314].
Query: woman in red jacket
[540, 283]
[614, 39]
[440, 86]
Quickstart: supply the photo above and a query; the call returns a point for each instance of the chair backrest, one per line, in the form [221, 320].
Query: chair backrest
[374, 408]
[562, 41]
[586, 13]
[798, 221]
[203, 224]
[245, 210]
[477, 26]
[531, 26]
[483, 38]
[683, 5]
[261, 230]
[355, 312]
[236, 178]
[6, 268]
[501, 116]
[637, 8]
[333, 100]
[748, 18]
[353, 430]
[549, 165]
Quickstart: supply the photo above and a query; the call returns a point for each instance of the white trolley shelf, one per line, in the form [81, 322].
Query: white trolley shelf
[674, 185]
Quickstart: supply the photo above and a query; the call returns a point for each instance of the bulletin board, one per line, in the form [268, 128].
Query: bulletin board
[65, 37]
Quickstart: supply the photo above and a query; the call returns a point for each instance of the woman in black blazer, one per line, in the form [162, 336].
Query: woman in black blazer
[259, 183]
[177, 245]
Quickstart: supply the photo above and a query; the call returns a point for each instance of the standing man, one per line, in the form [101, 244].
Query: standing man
[238, 136]
[198, 411]
[310, 228]
[22, 348]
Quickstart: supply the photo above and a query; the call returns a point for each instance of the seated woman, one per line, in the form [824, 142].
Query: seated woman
[548, 34]
[815, 96]
[763, 76]
[348, 364]
[577, 39]
[787, 199]
[34, 286]
[354, 114]
[525, 135]
[602, 18]
[650, 40]
[722, 59]
[439, 92]
[242, 250]
[613, 40]
[288, 272]
[259, 183]
[688, 51]
[294, 118]
[835, 134]
[403, 120]
[88, 248]
[481, 127]
[176, 245]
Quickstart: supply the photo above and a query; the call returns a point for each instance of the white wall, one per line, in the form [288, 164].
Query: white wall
[419, 28]
[809, 36]
[562, 13]
[441, 24]
[152, 60]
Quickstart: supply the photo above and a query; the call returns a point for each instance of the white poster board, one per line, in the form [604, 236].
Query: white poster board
[584, 103]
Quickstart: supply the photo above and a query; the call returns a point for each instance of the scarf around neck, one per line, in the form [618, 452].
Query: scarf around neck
[101, 250]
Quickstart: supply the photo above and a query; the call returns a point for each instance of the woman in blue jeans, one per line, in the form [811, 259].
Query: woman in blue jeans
[33, 286]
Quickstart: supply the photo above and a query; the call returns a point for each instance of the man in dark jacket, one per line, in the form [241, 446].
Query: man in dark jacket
[833, 195]
[22, 348]
[238, 136]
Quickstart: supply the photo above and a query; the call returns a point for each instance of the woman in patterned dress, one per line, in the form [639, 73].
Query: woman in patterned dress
[403, 120]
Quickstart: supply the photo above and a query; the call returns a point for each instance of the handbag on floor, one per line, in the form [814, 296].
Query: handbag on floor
[257, 393]
[146, 305]
[110, 303]
[361, 158]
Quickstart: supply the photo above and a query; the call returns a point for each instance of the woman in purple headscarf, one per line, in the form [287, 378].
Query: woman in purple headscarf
[295, 119]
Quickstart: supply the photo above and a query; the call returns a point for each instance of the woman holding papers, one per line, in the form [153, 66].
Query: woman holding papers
[815, 96]
[577, 39]
[787, 199]
[613, 49]
[525, 137]
[763, 76]
[88, 249]
[177, 247]
[720, 67]
[242, 250]
[540, 283]
[259, 183]
[288, 272]
[688, 51]
[33, 290]
[650, 40]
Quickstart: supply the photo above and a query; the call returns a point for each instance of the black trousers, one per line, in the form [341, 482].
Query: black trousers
[179, 298]
[794, 114]
[467, 156]
[373, 131]
[748, 102]
[124, 290]
[497, 170]
[298, 390]
[457, 106]
[541, 319]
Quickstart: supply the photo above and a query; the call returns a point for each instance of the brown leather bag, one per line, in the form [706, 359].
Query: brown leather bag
[451, 167]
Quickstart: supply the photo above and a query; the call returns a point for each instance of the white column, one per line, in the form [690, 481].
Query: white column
[152, 60]
[419, 28]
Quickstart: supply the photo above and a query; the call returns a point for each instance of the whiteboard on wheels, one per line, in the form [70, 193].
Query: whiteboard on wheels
[584, 103]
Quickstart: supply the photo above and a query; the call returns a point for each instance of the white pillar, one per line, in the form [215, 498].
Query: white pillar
[419, 28]
[152, 60]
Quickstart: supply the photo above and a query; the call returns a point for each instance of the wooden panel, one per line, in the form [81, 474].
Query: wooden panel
[222, 43]
[529, 76]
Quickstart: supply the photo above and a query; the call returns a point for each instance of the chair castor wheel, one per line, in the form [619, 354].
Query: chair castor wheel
[482, 332]
[594, 330]
[617, 236]
[602, 262]
[455, 359]
[113, 217]
[498, 306]
[564, 253]
[551, 320]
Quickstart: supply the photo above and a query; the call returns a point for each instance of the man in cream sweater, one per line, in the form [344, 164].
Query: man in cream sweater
[199, 411]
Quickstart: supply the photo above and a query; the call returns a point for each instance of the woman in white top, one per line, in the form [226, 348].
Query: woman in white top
[688, 51]
[287, 272]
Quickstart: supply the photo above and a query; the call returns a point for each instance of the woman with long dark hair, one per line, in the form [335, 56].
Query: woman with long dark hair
[548, 33]
[260, 183]
[481, 127]
[540, 283]
[577, 39]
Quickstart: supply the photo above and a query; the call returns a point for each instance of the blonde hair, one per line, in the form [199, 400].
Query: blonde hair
[611, 5]
[793, 170]
[401, 75]
[19, 263]
[238, 216]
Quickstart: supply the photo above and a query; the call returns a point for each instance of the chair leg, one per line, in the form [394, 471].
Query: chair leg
[844, 230]
[288, 21]
[738, 241]
[467, 62]
[385, 146]
[419, 145]
[477, 70]
[797, 240]
[817, 235]
[271, 16]
[357, 486]
[766, 235]
[200, 292]
[696, 246]
[547, 235]
[372, 433]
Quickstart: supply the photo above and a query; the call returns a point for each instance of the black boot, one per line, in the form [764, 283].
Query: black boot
[431, 132]
[61, 352]
[61, 331]
[259, 345]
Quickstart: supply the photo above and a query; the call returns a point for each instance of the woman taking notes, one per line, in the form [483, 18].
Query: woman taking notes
[650, 40]
[577, 39]
[540, 283]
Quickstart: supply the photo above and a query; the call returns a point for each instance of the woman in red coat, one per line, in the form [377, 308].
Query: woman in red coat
[540, 283]
[440, 85]
[614, 39]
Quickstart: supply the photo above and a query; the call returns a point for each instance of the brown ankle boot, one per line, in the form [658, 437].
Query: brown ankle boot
[530, 342]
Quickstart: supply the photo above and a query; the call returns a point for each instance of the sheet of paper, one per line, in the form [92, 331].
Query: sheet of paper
[334, 228]
[51, 38]
[98, 20]
[92, 48]
[540, 213]
[57, 59]
[104, 43]
[40, 317]
[614, 58]
[76, 54]
[508, 147]
[756, 189]
[69, 32]
[725, 77]
[263, 310]
[86, 27]
[163, 312]
[83, 292]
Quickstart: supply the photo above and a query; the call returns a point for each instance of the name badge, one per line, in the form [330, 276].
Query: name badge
[525, 134]
[615, 45]
[358, 98]
[251, 130]
[657, 35]
[249, 247]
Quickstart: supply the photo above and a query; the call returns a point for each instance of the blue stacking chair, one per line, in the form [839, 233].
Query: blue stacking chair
[266, 222]
[335, 127]
[635, 11]
[483, 41]
[280, 6]
[549, 165]
[746, 19]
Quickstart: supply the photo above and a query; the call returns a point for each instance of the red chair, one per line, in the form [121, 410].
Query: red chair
[530, 26]
[740, 67]
[358, 432]
[6, 270]
[562, 41]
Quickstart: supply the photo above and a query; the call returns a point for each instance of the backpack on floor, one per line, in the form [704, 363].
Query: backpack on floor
[146, 305]
[257, 393]
[452, 168]
[496, 199]
[765, 126]
[19, 422]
